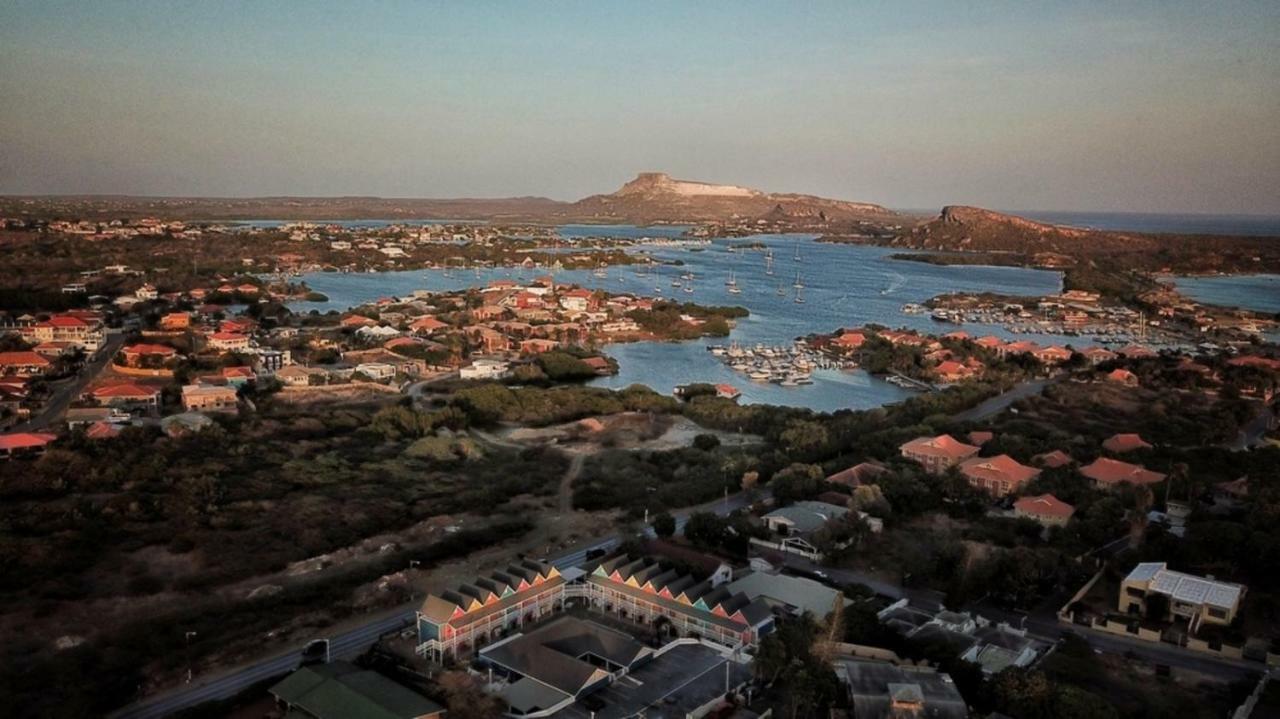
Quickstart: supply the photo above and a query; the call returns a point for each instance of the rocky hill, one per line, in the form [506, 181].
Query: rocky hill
[657, 197]
[959, 228]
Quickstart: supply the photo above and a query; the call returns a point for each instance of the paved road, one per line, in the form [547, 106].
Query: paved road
[1001, 402]
[1043, 623]
[353, 642]
[69, 390]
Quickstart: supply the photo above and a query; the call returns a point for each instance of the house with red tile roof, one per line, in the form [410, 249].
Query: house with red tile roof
[175, 321]
[228, 342]
[999, 475]
[727, 391]
[858, 474]
[1123, 376]
[952, 371]
[356, 321]
[1052, 354]
[937, 454]
[1053, 459]
[21, 444]
[127, 395]
[849, 340]
[1255, 361]
[143, 354]
[537, 346]
[979, 437]
[24, 363]
[427, 325]
[993, 343]
[1106, 473]
[1098, 355]
[1121, 443]
[1046, 509]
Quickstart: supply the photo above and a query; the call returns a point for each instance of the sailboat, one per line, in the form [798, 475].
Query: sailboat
[797, 257]
[799, 296]
[798, 284]
[731, 281]
[768, 262]
[688, 285]
[782, 291]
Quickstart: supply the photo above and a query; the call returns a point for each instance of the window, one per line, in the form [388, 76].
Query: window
[1217, 613]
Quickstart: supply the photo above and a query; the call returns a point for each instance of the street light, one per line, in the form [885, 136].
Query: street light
[189, 672]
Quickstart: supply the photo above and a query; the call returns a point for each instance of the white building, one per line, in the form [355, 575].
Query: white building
[485, 369]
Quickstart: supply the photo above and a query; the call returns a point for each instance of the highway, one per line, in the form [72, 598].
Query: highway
[352, 643]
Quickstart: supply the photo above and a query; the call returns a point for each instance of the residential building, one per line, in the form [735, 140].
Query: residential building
[377, 371]
[458, 620]
[175, 321]
[341, 690]
[228, 342]
[937, 454]
[296, 375]
[1106, 473]
[555, 665]
[148, 355]
[24, 444]
[1123, 376]
[1197, 600]
[203, 397]
[1000, 476]
[83, 329]
[1121, 443]
[24, 363]
[1052, 459]
[879, 690]
[790, 595]
[485, 369]
[859, 474]
[1046, 509]
[127, 396]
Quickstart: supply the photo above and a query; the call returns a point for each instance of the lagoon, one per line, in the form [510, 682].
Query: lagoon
[844, 286]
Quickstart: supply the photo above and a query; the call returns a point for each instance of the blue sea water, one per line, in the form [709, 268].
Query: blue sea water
[1260, 293]
[845, 286]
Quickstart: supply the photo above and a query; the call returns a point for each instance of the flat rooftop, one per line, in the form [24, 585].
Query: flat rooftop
[672, 685]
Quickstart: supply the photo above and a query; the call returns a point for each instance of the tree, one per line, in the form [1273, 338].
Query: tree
[664, 525]
[705, 529]
[706, 442]
[466, 699]
[797, 482]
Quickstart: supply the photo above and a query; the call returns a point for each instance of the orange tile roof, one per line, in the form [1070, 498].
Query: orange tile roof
[1120, 443]
[146, 349]
[1045, 505]
[1053, 459]
[1112, 471]
[125, 390]
[25, 440]
[1002, 468]
[22, 359]
[944, 445]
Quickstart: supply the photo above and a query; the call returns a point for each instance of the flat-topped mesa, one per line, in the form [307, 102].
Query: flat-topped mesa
[647, 183]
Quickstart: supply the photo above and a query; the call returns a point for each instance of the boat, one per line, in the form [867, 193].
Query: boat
[732, 281]
[798, 284]
[797, 257]
[799, 297]
[768, 262]
[782, 292]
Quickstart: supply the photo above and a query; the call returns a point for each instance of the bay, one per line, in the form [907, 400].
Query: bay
[844, 286]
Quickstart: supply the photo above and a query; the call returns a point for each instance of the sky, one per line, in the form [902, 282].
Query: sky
[1170, 106]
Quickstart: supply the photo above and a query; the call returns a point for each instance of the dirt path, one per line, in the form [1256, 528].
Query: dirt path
[566, 482]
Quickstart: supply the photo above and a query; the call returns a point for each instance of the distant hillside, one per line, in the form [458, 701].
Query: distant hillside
[975, 230]
[656, 196]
